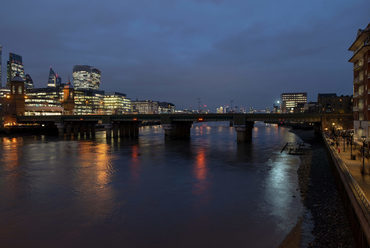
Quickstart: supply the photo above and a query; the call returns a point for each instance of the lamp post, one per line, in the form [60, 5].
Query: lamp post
[333, 128]
[363, 138]
[344, 141]
[351, 144]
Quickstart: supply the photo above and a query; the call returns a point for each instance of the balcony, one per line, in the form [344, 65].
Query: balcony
[355, 109]
[357, 67]
[355, 81]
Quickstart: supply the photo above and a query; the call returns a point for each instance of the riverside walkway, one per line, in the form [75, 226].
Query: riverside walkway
[354, 166]
[355, 184]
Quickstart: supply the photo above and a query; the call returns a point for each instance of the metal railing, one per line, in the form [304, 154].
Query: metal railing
[352, 183]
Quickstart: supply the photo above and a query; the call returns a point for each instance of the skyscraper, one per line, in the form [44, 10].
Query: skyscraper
[1, 59]
[29, 82]
[86, 77]
[54, 79]
[14, 66]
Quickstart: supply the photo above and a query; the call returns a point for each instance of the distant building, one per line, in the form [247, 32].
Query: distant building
[28, 82]
[88, 101]
[54, 79]
[14, 67]
[166, 107]
[331, 103]
[311, 107]
[86, 77]
[44, 101]
[145, 107]
[291, 100]
[116, 103]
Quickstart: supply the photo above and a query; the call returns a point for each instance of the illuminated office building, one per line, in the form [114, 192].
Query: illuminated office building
[44, 101]
[290, 101]
[361, 82]
[86, 77]
[54, 79]
[116, 103]
[88, 102]
[14, 66]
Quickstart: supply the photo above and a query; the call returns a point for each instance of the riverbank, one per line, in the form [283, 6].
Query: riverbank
[321, 196]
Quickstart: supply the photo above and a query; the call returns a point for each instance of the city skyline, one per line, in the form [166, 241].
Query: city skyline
[214, 50]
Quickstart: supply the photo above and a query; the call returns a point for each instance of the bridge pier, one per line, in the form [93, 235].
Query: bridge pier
[108, 130]
[129, 129]
[60, 127]
[75, 130]
[68, 129]
[115, 127]
[177, 130]
[243, 129]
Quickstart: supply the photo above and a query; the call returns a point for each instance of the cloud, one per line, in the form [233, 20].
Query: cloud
[248, 51]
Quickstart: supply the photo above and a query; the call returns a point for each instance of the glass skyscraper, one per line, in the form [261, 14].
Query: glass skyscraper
[54, 79]
[86, 77]
[14, 66]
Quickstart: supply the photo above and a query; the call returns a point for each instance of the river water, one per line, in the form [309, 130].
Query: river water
[206, 192]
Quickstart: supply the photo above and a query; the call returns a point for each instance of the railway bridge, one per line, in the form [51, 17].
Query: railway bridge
[177, 126]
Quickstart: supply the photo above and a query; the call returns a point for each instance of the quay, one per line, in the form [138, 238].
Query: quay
[355, 187]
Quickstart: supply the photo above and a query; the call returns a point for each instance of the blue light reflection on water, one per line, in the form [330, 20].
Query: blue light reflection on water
[208, 191]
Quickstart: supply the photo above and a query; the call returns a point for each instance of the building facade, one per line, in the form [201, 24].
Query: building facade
[290, 101]
[145, 107]
[331, 103]
[361, 83]
[14, 67]
[44, 101]
[116, 103]
[166, 108]
[88, 101]
[86, 77]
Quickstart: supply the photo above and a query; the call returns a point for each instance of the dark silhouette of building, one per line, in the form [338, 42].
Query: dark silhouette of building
[54, 79]
[331, 103]
[28, 82]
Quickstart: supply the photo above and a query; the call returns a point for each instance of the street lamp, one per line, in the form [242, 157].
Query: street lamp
[352, 157]
[363, 138]
[333, 126]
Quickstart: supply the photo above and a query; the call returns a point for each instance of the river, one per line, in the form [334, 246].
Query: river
[206, 192]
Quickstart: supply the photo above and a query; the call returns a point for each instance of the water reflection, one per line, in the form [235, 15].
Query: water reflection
[135, 163]
[205, 191]
[11, 154]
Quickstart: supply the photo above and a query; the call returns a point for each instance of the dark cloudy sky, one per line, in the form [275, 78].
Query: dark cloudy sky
[178, 50]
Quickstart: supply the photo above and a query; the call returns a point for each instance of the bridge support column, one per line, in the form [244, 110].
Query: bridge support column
[88, 130]
[115, 127]
[69, 129]
[93, 130]
[177, 130]
[108, 130]
[60, 127]
[75, 130]
[129, 129]
[244, 132]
